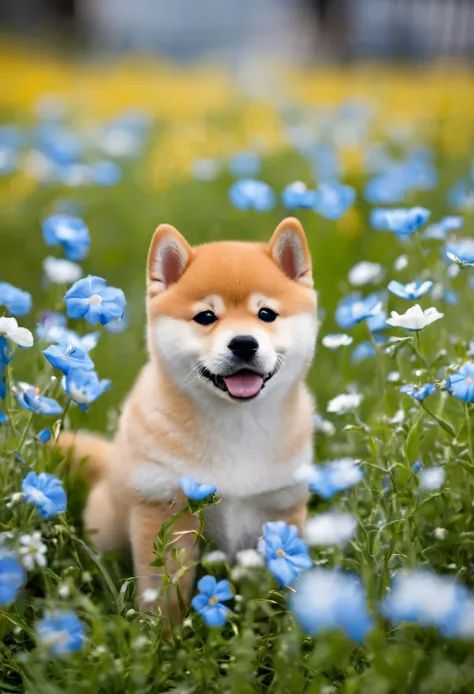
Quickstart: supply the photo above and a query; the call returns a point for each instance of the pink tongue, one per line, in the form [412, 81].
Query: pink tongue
[244, 384]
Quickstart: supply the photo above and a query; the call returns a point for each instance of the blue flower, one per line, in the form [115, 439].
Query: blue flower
[195, 491]
[105, 173]
[441, 229]
[461, 195]
[85, 387]
[333, 477]
[249, 194]
[30, 398]
[119, 325]
[92, 299]
[67, 358]
[6, 351]
[353, 309]
[333, 199]
[15, 300]
[50, 321]
[402, 221]
[3, 418]
[62, 632]
[410, 291]
[297, 195]
[387, 188]
[378, 219]
[61, 146]
[325, 159]
[461, 383]
[52, 328]
[46, 492]
[461, 250]
[69, 232]
[377, 322]
[286, 553]
[44, 435]
[10, 136]
[328, 600]
[8, 160]
[12, 577]
[419, 393]
[416, 467]
[244, 164]
[450, 297]
[364, 350]
[429, 600]
[209, 600]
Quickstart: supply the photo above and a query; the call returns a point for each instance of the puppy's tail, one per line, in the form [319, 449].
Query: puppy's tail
[89, 454]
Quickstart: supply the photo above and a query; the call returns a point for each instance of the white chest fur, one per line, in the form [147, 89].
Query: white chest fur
[238, 451]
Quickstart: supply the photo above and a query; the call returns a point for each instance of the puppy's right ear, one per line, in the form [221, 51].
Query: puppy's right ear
[168, 257]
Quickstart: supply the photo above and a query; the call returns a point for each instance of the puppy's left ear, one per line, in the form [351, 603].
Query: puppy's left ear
[288, 247]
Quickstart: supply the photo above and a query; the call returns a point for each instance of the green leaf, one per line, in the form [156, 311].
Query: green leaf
[412, 444]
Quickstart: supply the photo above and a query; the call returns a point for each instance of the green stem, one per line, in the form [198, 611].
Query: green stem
[25, 432]
[445, 426]
[468, 429]
[419, 351]
[9, 401]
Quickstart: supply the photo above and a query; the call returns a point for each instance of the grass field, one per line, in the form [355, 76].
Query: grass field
[402, 523]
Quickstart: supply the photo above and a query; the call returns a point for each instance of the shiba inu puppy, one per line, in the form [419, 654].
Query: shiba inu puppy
[231, 335]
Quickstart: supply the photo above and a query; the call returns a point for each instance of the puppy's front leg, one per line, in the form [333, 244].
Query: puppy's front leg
[146, 520]
[295, 515]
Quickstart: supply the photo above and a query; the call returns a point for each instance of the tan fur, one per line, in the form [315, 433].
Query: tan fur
[90, 453]
[176, 423]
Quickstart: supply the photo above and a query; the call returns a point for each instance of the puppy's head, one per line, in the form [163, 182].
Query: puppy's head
[232, 320]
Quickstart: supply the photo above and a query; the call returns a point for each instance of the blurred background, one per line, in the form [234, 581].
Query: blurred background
[229, 30]
[129, 114]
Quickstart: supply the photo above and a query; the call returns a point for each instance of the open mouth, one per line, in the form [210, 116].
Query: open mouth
[241, 385]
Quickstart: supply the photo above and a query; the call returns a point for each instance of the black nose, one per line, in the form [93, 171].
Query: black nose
[243, 346]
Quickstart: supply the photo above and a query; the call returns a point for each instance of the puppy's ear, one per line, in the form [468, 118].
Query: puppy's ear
[168, 257]
[288, 247]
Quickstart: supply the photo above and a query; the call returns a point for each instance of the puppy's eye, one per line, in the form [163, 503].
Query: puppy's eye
[267, 315]
[205, 318]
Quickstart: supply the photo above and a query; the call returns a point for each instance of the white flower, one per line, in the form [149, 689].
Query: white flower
[431, 478]
[15, 498]
[32, 550]
[249, 558]
[453, 271]
[466, 625]
[328, 529]
[304, 472]
[440, 533]
[344, 403]
[130, 612]
[365, 272]
[149, 595]
[415, 318]
[60, 271]
[205, 169]
[20, 336]
[400, 263]
[216, 557]
[323, 426]
[335, 341]
[393, 376]
[64, 591]
[140, 642]
[398, 417]
[100, 650]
